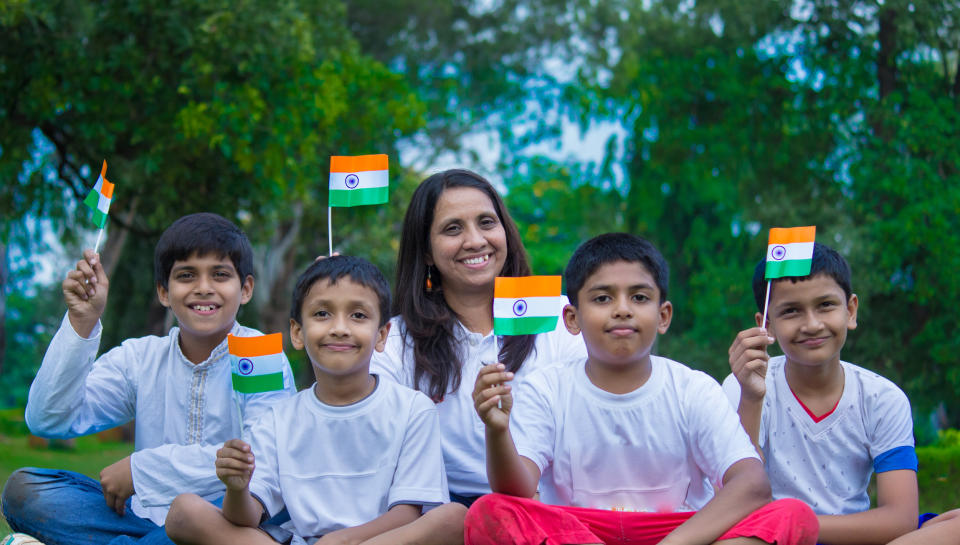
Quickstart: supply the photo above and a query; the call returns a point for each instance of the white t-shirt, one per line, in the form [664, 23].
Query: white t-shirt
[184, 412]
[464, 452]
[828, 464]
[338, 467]
[659, 448]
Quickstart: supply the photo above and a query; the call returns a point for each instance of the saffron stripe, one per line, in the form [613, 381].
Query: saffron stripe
[258, 383]
[789, 235]
[513, 287]
[357, 163]
[251, 347]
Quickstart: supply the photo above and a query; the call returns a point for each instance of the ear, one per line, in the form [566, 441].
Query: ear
[296, 334]
[163, 295]
[246, 290]
[852, 304]
[428, 259]
[666, 316]
[382, 337]
[570, 320]
[759, 318]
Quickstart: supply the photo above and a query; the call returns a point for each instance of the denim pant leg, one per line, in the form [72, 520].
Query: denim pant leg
[66, 508]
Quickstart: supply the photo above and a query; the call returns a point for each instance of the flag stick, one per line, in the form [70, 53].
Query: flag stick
[96, 247]
[330, 230]
[766, 304]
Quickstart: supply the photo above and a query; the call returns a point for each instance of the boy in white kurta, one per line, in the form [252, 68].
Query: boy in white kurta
[351, 457]
[177, 388]
[626, 447]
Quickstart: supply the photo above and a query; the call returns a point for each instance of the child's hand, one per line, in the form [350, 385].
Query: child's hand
[748, 362]
[491, 396]
[116, 481]
[235, 464]
[85, 292]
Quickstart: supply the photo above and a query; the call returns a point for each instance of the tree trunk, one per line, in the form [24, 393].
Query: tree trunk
[274, 271]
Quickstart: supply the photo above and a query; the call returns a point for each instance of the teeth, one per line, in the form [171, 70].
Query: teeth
[204, 308]
[476, 260]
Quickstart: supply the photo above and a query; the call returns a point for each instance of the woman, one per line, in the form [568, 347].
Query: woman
[457, 238]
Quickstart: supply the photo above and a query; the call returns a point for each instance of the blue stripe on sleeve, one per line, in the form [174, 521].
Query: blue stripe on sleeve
[896, 458]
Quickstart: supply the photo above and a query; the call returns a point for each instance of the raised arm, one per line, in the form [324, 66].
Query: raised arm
[507, 471]
[748, 363]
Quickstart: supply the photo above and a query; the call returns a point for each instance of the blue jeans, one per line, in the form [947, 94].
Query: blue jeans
[66, 508]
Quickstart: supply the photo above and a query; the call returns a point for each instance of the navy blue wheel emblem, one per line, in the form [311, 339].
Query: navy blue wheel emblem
[520, 307]
[778, 253]
[352, 181]
[245, 366]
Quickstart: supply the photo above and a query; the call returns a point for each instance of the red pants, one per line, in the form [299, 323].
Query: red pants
[497, 519]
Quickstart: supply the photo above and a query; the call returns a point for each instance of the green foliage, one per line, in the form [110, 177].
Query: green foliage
[938, 476]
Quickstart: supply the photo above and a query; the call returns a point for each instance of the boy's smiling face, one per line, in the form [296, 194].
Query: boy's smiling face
[810, 319]
[619, 314]
[339, 327]
[204, 292]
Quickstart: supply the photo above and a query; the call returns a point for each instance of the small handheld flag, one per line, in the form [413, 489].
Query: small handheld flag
[789, 253]
[359, 180]
[526, 305]
[356, 181]
[256, 363]
[100, 197]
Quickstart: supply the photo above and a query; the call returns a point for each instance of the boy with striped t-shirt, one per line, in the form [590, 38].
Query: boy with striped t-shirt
[824, 425]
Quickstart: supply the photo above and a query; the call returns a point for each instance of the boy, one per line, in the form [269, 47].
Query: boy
[626, 446]
[177, 387]
[824, 425]
[351, 457]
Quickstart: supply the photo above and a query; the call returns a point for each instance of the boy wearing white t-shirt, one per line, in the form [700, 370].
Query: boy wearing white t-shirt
[625, 446]
[351, 457]
[824, 425]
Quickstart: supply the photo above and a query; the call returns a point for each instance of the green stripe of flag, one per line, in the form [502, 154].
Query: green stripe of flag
[254, 384]
[359, 197]
[99, 218]
[790, 267]
[524, 326]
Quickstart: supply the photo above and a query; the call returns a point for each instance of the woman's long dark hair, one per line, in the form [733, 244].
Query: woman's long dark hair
[429, 321]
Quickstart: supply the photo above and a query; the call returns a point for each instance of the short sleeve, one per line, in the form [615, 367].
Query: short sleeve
[890, 430]
[533, 421]
[717, 438]
[265, 483]
[420, 478]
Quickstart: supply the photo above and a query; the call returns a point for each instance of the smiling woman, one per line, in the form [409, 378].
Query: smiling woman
[457, 239]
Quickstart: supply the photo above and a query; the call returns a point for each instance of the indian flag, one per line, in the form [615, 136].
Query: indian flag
[256, 363]
[358, 180]
[99, 197]
[790, 251]
[525, 305]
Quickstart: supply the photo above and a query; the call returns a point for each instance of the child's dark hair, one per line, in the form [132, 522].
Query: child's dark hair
[202, 234]
[825, 261]
[610, 248]
[334, 268]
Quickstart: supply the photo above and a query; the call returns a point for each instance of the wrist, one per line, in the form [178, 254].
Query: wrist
[83, 326]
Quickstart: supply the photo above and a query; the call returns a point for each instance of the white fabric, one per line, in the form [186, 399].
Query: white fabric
[183, 412]
[464, 452]
[828, 464]
[659, 448]
[536, 306]
[337, 467]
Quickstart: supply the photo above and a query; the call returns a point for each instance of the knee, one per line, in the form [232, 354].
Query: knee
[491, 507]
[19, 494]
[181, 523]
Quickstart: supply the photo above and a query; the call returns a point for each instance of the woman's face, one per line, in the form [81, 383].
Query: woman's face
[468, 244]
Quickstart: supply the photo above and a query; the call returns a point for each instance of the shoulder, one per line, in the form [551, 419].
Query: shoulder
[243, 331]
[680, 375]
[873, 386]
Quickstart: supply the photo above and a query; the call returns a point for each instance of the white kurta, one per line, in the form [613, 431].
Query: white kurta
[183, 412]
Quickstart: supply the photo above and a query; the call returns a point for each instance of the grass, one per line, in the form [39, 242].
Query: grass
[88, 455]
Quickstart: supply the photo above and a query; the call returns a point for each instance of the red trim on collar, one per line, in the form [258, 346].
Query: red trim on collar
[816, 419]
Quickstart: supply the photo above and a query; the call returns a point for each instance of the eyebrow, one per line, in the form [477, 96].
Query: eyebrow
[609, 287]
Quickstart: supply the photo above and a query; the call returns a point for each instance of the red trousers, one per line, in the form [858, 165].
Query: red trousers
[497, 519]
